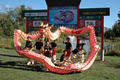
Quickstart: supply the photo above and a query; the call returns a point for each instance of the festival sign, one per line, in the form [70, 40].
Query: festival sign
[35, 21]
[34, 13]
[95, 21]
[95, 12]
[63, 15]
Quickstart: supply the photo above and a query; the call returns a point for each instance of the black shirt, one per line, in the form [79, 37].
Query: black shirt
[75, 51]
[68, 45]
[38, 45]
[81, 44]
[53, 44]
[48, 54]
[28, 44]
[46, 48]
[62, 57]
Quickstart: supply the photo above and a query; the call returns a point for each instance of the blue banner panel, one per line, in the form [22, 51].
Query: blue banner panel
[63, 16]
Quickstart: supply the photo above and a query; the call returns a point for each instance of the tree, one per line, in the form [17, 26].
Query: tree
[116, 29]
[109, 34]
[6, 26]
[11, 20]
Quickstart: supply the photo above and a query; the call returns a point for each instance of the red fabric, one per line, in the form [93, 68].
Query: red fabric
[65, 69]
[68, 52]
[54, 51]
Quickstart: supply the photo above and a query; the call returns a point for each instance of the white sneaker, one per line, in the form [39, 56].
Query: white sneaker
[32, 62]
[28, 63]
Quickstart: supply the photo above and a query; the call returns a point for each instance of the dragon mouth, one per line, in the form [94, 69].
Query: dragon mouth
[76, 67]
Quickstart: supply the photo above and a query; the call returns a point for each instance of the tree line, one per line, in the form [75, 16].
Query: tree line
[11, 20]
[113, 32]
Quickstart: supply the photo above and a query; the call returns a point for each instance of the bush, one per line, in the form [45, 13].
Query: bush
[59, 50]
[115, 39]
[7, 43]
[113, 53]
[98, 39]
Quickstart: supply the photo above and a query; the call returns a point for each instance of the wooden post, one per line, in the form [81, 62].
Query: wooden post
[26, 25]
[78, 22]
[102, 40]
[47, 14]
[48, 20]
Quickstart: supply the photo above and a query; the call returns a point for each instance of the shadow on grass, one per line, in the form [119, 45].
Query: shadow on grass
[117, 66]
[19, 65]
[22, 66]
[6, 55]
[113, 65]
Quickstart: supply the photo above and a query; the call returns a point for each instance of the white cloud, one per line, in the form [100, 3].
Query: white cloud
[5, 8]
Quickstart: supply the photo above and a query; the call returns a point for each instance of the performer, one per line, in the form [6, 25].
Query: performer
[28, 46]
[78, 54]
[39, 46]
[64, 61]
[54, 46]
[68, 46]
[49, 53]
[81, 42]
[74, 52]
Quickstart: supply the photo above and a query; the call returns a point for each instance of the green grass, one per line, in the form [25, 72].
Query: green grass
[7, 43]
[13, 67]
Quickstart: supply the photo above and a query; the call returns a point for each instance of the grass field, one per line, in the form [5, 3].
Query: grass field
[13, 67]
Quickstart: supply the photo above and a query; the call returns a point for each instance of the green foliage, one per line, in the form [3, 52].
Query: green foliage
[112, 48]
[116, 39]
[98, 39]
[113, 53]
[60, 50]
[1, 31]
[109, 34]
[116, 30]
[8, 23]
[12, 20]
[6, 42]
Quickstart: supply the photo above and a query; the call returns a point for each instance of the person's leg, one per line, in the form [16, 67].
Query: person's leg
[73, 58]
[32, 61]
[82, 58]
[68, 53]
[28, 59]
[54, 58]
[54, 55]
[78, 58]
[42, 50]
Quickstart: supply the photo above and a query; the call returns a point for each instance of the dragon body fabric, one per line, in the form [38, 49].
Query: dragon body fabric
[76, 67]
